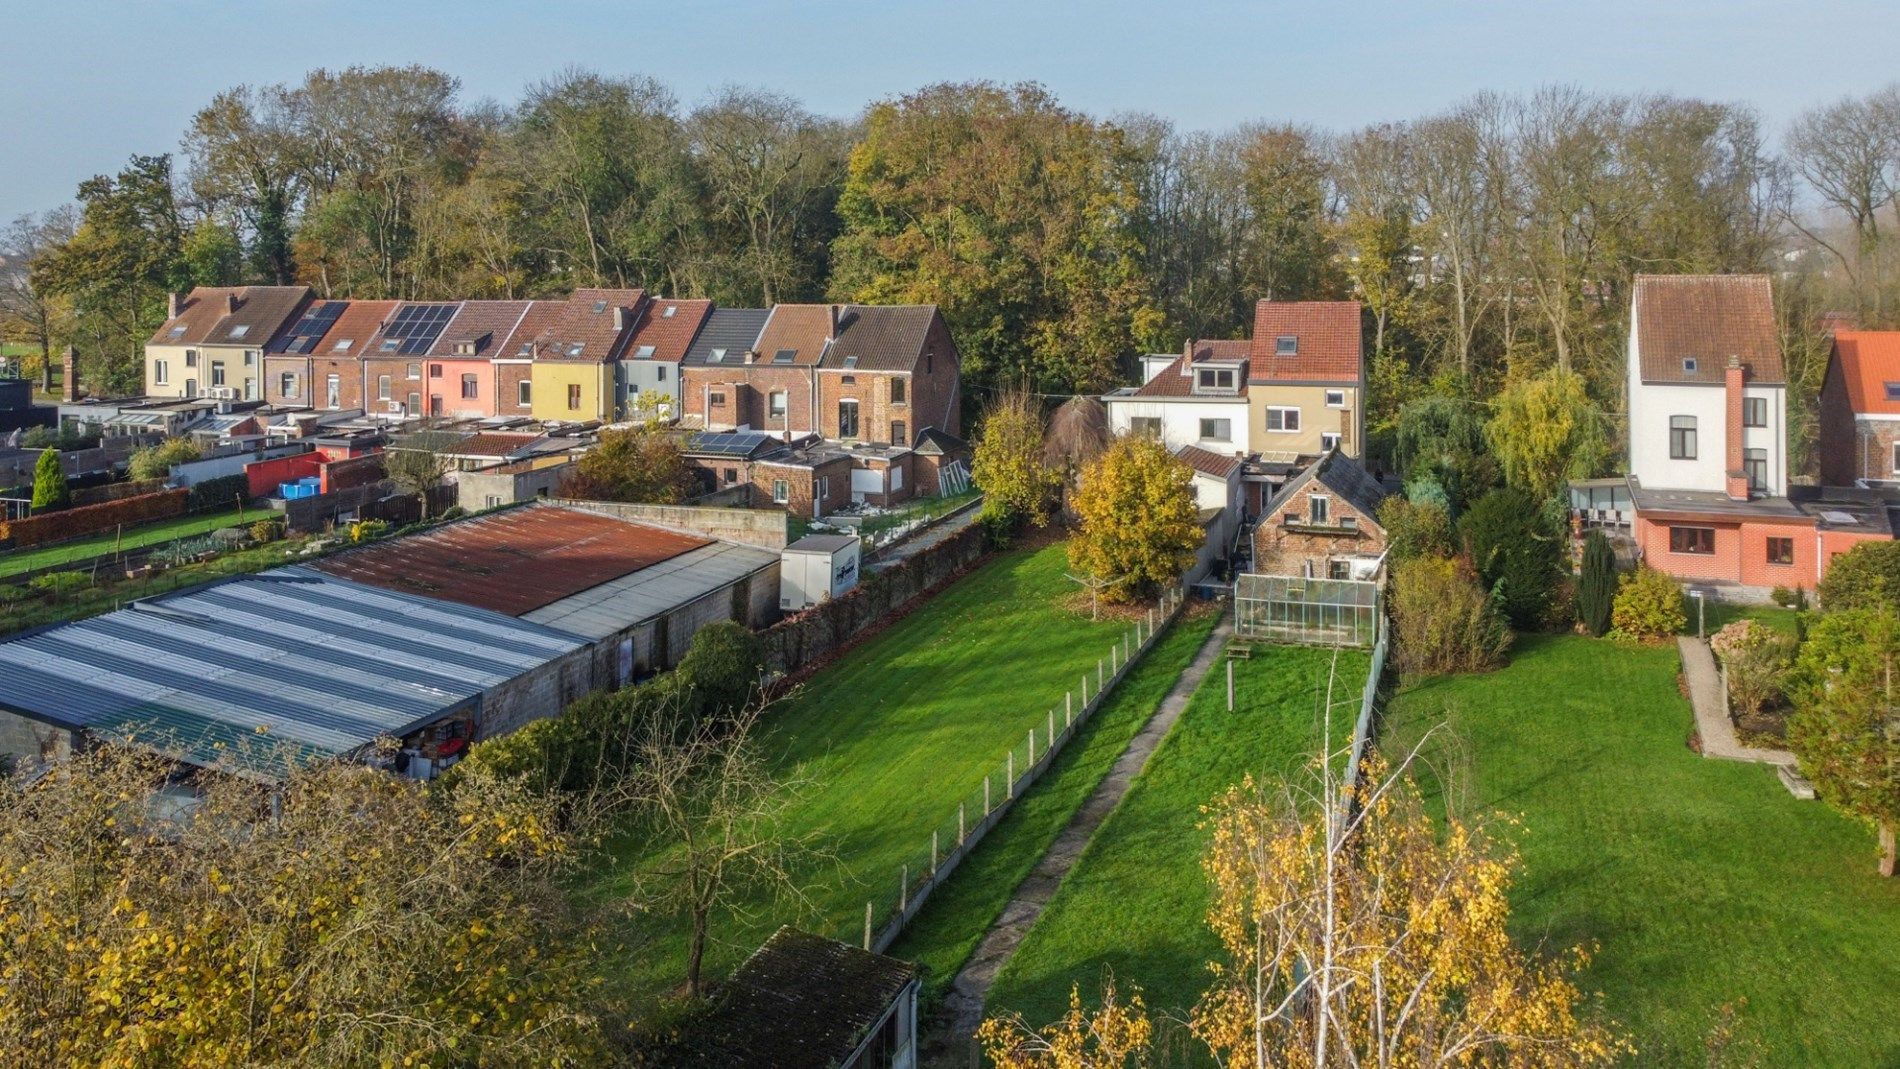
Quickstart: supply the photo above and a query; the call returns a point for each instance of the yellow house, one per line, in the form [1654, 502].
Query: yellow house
[213, 340]
[573, 390]
[1306, 379]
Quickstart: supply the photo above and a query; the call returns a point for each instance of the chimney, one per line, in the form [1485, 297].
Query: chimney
[175, 305]
[230, 304]
[69, 386]
[621, 319]
[832, 335]
[1732, 440]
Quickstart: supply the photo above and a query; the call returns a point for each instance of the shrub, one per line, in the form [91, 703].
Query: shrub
[1596, 584]
[1443, 621]
[1757, 660]
[264, 531]
[1796, 599]
[453, 512]
[1416, 529]
[1648, 606]
[721, 670]
[1517, 555]
[368, 530]
[1426, 490]
[50, 492]
[222, 492]
[1865, 577]
[55, 585]
[155, 461]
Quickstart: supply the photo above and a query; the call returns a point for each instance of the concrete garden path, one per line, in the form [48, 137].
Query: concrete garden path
[964, 1003]
[1711, 711]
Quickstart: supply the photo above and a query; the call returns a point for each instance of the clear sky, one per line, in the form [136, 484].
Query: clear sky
[86, 83]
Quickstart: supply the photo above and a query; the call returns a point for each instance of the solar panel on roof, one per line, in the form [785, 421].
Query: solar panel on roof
[416, 327]
[307, 331]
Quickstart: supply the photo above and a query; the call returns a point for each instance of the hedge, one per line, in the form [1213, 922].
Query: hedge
[93, 519]
[221, 492]
[99, 495]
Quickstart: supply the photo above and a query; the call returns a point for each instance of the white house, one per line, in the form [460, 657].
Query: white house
[1708, 401]
[1196, 399]
[1217, 494]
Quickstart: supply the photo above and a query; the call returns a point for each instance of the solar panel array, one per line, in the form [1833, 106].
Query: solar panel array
[303, 337]
[415, 327]
[728, 443]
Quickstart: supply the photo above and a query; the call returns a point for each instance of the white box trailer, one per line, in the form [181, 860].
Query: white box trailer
[816, 568]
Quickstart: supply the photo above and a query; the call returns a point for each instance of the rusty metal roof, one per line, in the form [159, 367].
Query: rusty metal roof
[513, 562]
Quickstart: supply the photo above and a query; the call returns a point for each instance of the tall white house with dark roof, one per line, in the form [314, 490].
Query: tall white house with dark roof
[1708, 401]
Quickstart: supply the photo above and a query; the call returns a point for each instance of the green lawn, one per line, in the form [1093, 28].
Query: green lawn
[1700, 882]
[148, 535]
[891, 737]
[1135, 903]
[947, 930]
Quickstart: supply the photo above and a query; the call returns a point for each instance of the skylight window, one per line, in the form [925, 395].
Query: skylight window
[1286, 345]
[575, 349]
[851, 361]
[390, 345]
[1688, 365]
[178, 331]
[240, 330]
[670, 309]
[784, 356]
[718, 356]
[343, 345]
[599, 307]
[1893, 391]
[643, 352]
[527, 348]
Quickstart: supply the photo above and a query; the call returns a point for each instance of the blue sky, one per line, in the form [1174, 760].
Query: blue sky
[85, 83]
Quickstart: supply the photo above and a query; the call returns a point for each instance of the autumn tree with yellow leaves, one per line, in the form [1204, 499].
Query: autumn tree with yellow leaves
[353, 919]
[1137, 523]
[1371, 939]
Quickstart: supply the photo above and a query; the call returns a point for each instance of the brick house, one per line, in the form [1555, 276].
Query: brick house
[1323, 524]
[454, 375]
[650, 364]
[318, 361]
[1860, 409]
[213, 340]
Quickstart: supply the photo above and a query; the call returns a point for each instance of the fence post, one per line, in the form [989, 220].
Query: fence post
[959, 823]
[1127, 649]
[933, 851]
[1032, 748]
[1085, 692]
[986, 794]
[1068, 707]
[867, 925]
[1230, 684]
[903, 890]
[1151, 623]
[1111, 659]
[1098, 677]
[1009, 784]
[1052, 728]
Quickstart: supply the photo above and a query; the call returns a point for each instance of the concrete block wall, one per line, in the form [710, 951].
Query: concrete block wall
[765, 528]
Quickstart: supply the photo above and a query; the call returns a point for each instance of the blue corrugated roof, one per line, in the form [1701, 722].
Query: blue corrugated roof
[293, 662]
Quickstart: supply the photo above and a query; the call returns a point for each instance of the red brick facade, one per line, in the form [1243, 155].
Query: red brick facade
[740, 395]
[1289, 542]
[1742, 554]
[1850, 446]
[308, 381]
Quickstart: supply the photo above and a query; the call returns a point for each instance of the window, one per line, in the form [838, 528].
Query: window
[824, 487]
[415, 371]
[1893, 391]
[435, 404]
[1754, 411]
[1145, 426]
[899, 433]
[1681, 437]
[784, 356]
[775, 404]
[781, 491]
[1755, 466]
[1329, 441]
[288, 386]
[1896, 458]
[574, 397]
[191, 387]
[1216, 379]
[435, 371]
[731, 475]
[644, 352]
[659, 373]
[897, 391]
[240, 331]
[1338, 569]
[191, 358]
[332, 391]
[1781, 551]
[1319, 509]
[897, 478]
[217, 373]
[250, 358]
[670, 309]
[161, 373]
[491, 501]
[383, 386]
[524, 393]
[343, 345]
[470, 388]
[847, 419]
[1688, 365]
[250, 388]
[848, 380]
[415, 403]
[718, 356]
[1335, 399]
[1692, 540]
[716, 398]
[1217, 430]
[1283, 419]
[1286, 345]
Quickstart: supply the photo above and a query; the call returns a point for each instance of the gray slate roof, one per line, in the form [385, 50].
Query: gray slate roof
[881, 337]
[322, 665]
[735, 330]
[1345, 478]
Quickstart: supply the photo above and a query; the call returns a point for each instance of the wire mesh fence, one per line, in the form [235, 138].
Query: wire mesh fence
[1307, 612]
[958, 830]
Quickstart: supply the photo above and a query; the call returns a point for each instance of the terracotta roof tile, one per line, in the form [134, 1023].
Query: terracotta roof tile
[882, 337]
[1173, 382]
[591, 326]
[1328, 342]
[208, 317]
[1869, 364]
[1706, 318]
[800, 328]
[358, 325]
[669, 335]
[520, 343]
[1208, 463]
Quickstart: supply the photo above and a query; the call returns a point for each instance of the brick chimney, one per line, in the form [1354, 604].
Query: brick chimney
[622, 318]
[1734, 377]
[832, 335]
[175, 306]
[230, 304]
[69, 383]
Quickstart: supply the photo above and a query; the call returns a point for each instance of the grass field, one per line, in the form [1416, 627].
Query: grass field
[953, 922]
[1701, 882]
[890, 737]
[149, 535]
[1135, 903]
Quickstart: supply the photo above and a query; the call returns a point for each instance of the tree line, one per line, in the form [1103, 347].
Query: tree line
[1489, 241]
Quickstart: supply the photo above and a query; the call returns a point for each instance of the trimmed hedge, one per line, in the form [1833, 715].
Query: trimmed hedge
[93, 519]
[99, 495]
[220, 492]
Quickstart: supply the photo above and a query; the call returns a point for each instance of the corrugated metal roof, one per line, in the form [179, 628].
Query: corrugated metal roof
[261, 669]
[650, 592]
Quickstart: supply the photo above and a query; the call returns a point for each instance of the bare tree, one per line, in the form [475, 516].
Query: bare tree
[1848, 153]
[27, 312]
[417, 465]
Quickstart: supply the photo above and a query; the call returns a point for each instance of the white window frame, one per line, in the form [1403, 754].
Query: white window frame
[1330, 440]
[413, 372]
[1283, 411]
[781, 491]
[217, 373]
[1319, 509]
[1149, 426]
[333, 391]
[250, 358]
[1896, 458]
[161, 373]
[1208, 379]
[524, 392]
[1335, 399]
[290, 384]
[383, 388]
[1216, 421]
[777, 403]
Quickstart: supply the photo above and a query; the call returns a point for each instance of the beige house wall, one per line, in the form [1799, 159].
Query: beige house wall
[1316, 418]
[229, 357]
